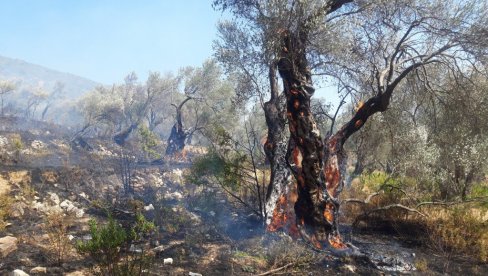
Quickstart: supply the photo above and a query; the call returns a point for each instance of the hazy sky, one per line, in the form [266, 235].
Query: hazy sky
[104, 40]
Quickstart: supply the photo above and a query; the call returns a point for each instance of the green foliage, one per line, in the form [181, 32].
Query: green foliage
[379, 180]
[18, 145]
[149, 142]
[480, 190]
[226, 171]
[170, 220]
[107, 242]
[141, 227]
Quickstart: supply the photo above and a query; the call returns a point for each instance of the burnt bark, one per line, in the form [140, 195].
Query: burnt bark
[177, 138]
[279, 205]
[121, 137]
[315, 209]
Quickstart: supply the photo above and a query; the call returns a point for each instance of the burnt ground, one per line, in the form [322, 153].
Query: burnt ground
[200, 228]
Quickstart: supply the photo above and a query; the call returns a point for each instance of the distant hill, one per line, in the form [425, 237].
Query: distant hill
[32, 75]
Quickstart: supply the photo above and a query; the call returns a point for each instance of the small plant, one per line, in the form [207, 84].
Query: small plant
[112, 247]
[283, 252]
[421, 265]
[149, 142]
[18, 146]
[56, 226]
[5, 204]
[105, 245]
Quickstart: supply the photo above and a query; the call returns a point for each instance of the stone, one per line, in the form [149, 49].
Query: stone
[174, 196]
[18, 272]
[36, 144]
[79, 213]
[168, 261]
[38, 270]
[76, 273]
[149, 207]
[54, 198]
[67, 205]
[135, 249]
[351, 268]
[194, 274]
[8, 244]
[17, 209]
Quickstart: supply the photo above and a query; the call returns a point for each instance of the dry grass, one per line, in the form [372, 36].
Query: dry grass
[5, 205]
[460, 229]
[457, 231]
[56, 226]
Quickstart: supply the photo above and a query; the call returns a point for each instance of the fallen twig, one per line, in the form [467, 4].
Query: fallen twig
[396, 206]
[275, 270]
[366, 201]
[483, 199]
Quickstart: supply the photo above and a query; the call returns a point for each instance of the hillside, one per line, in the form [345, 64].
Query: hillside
[32, 75]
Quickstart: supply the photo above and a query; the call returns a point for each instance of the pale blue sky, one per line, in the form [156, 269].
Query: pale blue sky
[104, 40]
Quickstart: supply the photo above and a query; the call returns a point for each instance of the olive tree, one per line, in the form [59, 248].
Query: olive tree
[369, 47]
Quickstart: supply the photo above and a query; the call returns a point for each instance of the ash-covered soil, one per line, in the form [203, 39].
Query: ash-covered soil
[200, 228]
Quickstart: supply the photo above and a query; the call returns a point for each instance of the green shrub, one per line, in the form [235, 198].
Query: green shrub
[149, 142]
[107, 244]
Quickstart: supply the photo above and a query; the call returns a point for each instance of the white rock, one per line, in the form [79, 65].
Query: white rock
[67, 205]
[194, 274]
[175, 195]
[71, 237]
[54, 198]
[36, 144]
[38, 206]
[79, 213]
[8, 244]
[18, 272]
[17, 209]
[351, 268]
[83, 195]
[168, 261]
[53, 209]
[178, 172]
[38, 270]
[135, 249]
[3, 141]
[149, 207]
[212, 213]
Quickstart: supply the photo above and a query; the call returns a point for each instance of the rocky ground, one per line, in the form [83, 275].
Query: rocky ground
[51, 191]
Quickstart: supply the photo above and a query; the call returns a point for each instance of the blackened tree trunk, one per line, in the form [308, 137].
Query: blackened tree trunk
[279, 212]
[177, 138]
[121, 137]
[315, 208]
